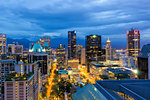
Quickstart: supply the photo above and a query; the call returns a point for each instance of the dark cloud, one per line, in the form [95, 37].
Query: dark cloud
[30, 18]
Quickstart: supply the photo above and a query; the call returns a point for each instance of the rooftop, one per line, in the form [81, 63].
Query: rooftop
[102, 90]
[145, 52]
[105, 64]
[16, 77]
[8, 61]
[119, 70]
[45, 44]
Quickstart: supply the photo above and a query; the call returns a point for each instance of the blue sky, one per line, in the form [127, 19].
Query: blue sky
[32, 19]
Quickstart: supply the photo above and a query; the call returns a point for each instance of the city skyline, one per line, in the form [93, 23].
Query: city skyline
[74, 50]
[32, 20]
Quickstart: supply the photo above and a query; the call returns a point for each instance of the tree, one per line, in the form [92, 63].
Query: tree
[56, 92]
[55, 80]
[87, 82]
[61, 87]
[44, 92]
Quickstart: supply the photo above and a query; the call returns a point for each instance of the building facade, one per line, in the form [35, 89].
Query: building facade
[74, 64]
[133, 44]
[78, 54]
[3, 43]
[144, 63]
[42, 60]
[61, 56]
[23, 86]
[72, 45]
[109, 50]
[83, 56]
[15, 49]
[7, 67]
[0, 85]
[93, 49]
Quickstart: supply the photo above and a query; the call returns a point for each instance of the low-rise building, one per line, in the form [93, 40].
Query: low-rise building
[96, 68]
[117, 73]
[115, 90]
[74, 64]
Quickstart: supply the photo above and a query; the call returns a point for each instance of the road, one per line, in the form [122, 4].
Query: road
[50, 79]
[91, 79]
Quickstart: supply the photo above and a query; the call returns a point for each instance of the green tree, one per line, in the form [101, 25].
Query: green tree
[87, 82]
[61, 87]
[56, 92]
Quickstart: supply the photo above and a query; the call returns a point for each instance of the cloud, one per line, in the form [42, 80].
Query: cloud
[30, 18]
[145, 33]
[52, 34]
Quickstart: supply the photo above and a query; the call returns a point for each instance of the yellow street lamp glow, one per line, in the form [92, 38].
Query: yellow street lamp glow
[94, 36]
[135, 71]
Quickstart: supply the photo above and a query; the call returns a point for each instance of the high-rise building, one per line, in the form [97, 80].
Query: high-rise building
[109, 52]
[0, 85]
[133, 44]
[3, 43]
[72, 45]
[93, 49]
[144, 63]
[36, 47]
[83, 56]
[7, 67]
[61, 56]
[15, 49]
[42, 61]
[45, 39]
[23, 87]
[78, 54]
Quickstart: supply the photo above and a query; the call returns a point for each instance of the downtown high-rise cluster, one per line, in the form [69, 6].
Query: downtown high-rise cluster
[25, 74]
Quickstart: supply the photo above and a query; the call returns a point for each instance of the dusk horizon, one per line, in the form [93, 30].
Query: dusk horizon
[55, 18]
[75, 50]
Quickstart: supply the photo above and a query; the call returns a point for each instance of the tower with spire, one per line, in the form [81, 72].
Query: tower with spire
[108, 42]
[109, 53]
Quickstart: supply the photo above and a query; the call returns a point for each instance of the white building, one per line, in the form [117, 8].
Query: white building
[126, 61]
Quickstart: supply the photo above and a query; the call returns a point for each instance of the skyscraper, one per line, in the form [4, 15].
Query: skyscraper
[78, 52]
[109, 52]
[93, 49]
[61, 56]
[83, 56]
[144, 63]
[72, 45]
[133, 44]
[3, 43]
